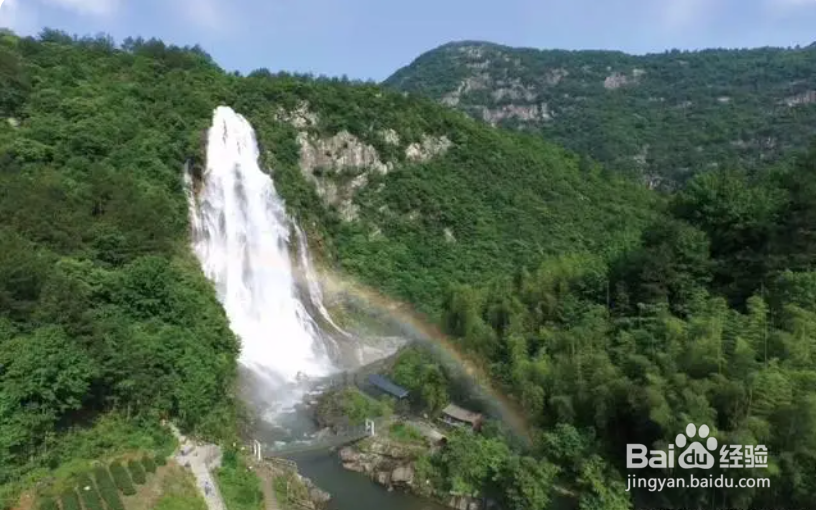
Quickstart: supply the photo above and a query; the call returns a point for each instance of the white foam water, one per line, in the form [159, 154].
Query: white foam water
[241, 237]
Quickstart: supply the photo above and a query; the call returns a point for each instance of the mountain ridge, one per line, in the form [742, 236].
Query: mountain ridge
[659, 116]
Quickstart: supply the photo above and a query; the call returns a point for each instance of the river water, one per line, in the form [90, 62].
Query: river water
[353, 491]
[349, 490]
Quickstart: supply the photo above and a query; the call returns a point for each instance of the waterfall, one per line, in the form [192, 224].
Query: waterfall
[241, 237]
[312, 282]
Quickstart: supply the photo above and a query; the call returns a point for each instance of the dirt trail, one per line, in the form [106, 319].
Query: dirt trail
[201, 459]
[267, 476]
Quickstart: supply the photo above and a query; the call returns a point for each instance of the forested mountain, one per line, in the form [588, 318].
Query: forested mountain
[104, 311]
[661, 116]
[610, 313]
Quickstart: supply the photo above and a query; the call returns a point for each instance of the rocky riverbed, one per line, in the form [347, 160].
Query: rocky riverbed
[393, 465]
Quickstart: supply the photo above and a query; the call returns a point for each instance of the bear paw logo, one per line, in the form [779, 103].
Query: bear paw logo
[696, 455]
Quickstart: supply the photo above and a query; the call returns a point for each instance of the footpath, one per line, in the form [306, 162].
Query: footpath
[201, 459]
[266, 474]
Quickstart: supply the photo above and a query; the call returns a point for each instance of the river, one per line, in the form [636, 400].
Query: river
[353, 491]
[349, 490]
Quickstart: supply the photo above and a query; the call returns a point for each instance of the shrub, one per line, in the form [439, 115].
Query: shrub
[404, 433]
[149, 465]
[47, 504]
[161, 460]
[70, 501]
[122, 479]
[137, 472]
[107, 489]
[90, 499]
[240, 487]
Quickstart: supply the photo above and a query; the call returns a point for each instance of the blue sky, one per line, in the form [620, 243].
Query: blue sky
[372, 38]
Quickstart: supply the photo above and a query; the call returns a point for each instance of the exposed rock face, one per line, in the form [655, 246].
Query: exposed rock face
[301, 117]
[480, 81]
[615, 81]
[527, 113]
[403, 474]
[802, 99]
[464, 503]
[554, 76]
[428, 148]
[514, 91]
[340, 153]
[340, 165]
[387, 463]
[317, 496]
[392, 465]
[390, 136]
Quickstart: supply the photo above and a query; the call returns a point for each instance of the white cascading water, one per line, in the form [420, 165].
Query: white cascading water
[241, 238]
[312, 282]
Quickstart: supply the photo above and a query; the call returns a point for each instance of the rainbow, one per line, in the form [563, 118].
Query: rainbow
[422, 329]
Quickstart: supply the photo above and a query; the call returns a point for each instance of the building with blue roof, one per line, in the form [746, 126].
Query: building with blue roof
[385, 385]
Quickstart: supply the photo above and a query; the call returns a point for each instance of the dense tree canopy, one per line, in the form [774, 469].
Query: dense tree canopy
[102, 307]
[608, 314]
[698, 328]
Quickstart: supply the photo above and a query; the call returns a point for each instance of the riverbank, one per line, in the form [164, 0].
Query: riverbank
[395, 465]
[355, 491]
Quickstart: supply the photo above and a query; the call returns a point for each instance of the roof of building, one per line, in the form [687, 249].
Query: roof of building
[387, 386]
[460, 414]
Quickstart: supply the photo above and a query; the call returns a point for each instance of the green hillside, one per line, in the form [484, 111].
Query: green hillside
[411, 197]
[610, 314]
[661, 116]
[103, 310]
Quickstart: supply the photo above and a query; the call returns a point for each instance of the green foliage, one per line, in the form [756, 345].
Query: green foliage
[290, 491]
[404, 433]
[90, 498]
[491, 202]
[708, 321]
[426, 380]
[103, 308]
[350, 406]
[76, 452]
[609, 318]
[179, 492]
[70, 501]
[529, 483]
[137, 472]
[122, 479]
[481, 466]
[240, 486]
[473, 462]
[665, 116]
[108, 489]
[149, 464]
[47, 504]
